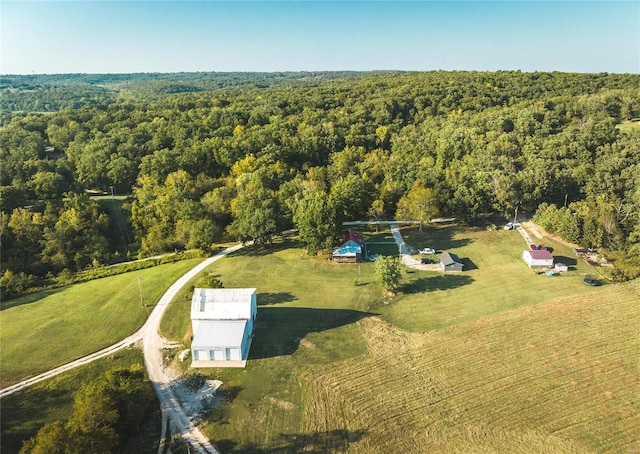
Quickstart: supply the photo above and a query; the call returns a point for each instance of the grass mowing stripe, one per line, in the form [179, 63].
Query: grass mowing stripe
[68, 323]
[545, 396]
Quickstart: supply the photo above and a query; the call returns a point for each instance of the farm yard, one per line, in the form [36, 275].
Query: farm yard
[495, 358]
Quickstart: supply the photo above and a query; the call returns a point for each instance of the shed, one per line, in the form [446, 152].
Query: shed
[538, 258]
[450, 262]
[560, 267]
[222, 321]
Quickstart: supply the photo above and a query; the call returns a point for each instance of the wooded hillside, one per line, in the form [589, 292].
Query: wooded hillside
[206, 157]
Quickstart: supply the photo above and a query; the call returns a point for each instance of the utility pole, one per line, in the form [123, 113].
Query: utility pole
[140, 290]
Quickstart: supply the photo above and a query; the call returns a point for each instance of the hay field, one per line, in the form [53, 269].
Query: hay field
[557, 377]
[444, 366]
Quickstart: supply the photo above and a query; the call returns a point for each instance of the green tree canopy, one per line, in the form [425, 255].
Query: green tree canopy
[387, 271]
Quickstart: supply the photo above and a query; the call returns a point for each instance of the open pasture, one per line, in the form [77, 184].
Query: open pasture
[556, 377]
[495, 278]
[335, 365]
[47, 329]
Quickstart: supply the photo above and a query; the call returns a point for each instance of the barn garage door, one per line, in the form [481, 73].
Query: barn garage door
[233, 353]
[217, 355]
[201, 355]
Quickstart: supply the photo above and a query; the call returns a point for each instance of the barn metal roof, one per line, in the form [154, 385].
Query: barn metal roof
[222, 303]
[219, 333]
[447, 258]
[540, 254]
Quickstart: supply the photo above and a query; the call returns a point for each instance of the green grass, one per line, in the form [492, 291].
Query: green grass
[328, 370]
[24, 412]
[44, 330]
[495, 359]
[629, 125]
[495, 279]
[560, 376]
[308, 307]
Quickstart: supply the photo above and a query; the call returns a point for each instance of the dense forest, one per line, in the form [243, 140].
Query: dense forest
[208, 157]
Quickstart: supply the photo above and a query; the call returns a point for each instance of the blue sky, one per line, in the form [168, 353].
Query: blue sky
[169, 36]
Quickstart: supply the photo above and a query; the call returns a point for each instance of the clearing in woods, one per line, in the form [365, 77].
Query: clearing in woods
[497, 358]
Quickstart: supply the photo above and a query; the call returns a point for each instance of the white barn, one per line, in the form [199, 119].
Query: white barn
[222, 321]
[538, 258]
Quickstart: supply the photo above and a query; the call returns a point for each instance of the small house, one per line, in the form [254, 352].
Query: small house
[450, 262]
[222, 321]
[539, 258]
[351, 249]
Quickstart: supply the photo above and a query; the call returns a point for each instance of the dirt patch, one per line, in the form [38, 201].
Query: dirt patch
[196, 395]
[308, 344]
[281, 403]
[184, 354]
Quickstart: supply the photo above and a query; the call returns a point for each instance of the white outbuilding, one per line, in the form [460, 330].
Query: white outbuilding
[222, 321]
[538, 258]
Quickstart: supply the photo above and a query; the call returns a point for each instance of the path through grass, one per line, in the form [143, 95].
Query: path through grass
[45, 330]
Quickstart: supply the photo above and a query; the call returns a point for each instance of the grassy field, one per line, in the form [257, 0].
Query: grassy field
[556, 377]
[495, 279]
[44, 330]
[24, 412]
[495, 359]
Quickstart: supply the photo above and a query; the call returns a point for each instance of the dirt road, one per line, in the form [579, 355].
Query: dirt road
[153, 344]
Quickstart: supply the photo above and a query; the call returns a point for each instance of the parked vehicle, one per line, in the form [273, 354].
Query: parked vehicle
[509, 226]
[427, 251]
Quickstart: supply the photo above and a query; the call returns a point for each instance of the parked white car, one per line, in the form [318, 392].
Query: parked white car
[509, 226]
[427, 251]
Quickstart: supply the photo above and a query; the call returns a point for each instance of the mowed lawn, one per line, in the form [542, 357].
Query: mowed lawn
[48, 329]
[495, 278]
[334, 366]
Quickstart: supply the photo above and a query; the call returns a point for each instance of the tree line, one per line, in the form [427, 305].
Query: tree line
[106, 413]
[210, 157]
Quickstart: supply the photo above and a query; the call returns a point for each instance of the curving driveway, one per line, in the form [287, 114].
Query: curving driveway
[172, 413]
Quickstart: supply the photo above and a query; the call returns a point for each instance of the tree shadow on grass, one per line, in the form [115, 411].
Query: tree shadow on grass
[221, 411]
[331, 441]
[28, 299]
[440, 238]
[265, 299]
[262, 249]
[279, 330]
[26, 411]
[441, 282]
